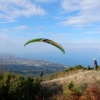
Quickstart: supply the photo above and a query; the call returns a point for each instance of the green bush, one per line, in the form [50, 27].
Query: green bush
[88, 67]
[71, 88]
[98, 68]
[70, 85]
[78, 67]
[70, 68]
[16, 87]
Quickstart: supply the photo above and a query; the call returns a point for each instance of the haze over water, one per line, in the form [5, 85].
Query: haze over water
[71, 58]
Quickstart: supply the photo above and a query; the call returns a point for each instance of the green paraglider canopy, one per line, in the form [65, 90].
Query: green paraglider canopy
[46, 41]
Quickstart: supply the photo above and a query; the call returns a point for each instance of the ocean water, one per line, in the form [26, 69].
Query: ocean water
[71, 58]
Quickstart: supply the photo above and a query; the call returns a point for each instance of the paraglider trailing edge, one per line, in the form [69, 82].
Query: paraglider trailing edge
[46, 41]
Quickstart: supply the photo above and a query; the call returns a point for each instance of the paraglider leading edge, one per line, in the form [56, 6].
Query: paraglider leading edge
[46, 41]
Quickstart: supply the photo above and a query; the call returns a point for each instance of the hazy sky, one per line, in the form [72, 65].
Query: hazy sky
[74, 24]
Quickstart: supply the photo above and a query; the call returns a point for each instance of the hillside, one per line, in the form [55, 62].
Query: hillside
[81, 76]
[74, 83]
[80, 85]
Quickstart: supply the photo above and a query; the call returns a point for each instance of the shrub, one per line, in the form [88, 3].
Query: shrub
[93, 91]
[75, 88]
[88, 67]
[98, 68]
[78, 67]
[51, 89]
[16, 87]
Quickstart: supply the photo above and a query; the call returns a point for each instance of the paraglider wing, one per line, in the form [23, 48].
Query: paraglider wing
[33, 40]
[46, 41]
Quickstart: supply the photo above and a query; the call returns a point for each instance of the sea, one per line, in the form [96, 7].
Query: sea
[72, 57]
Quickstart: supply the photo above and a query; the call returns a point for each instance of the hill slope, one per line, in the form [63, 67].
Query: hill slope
[86, 76]
[63, 88]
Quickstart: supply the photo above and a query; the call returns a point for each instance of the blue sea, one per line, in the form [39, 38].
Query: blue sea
[71, 58]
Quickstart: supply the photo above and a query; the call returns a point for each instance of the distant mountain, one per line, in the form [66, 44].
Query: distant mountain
[30, 66]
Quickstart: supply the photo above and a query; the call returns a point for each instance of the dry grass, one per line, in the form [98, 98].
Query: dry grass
[89, 92]
[90, 79]
[80, 77]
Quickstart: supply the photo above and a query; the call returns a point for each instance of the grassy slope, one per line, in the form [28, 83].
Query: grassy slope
[81, 76]
[55, 86]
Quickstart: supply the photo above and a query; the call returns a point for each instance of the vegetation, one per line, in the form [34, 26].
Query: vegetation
[16, 87]
[68, 71]
[73, 91]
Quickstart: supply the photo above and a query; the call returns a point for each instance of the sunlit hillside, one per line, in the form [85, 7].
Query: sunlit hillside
[77, 84]
[74, 83]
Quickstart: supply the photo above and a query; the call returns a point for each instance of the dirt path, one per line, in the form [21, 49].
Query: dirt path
[80, 77]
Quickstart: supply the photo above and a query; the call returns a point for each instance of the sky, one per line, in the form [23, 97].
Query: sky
[74, 24]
